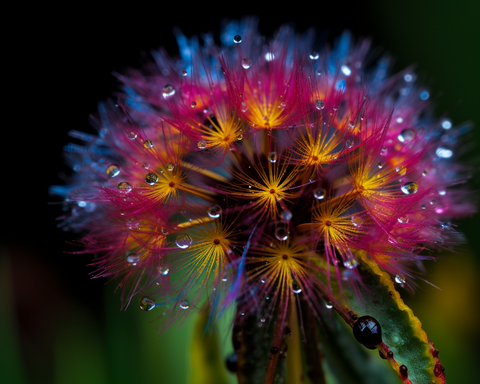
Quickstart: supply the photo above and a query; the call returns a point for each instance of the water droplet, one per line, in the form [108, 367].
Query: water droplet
[148, 144]
[286, 215]
[406, 135]
[314, 55]
[113, 170]
[246, 63]
[329, 304]
[214, 211]
[350, 262]
[379, 165]
[296, 288]
[169, 167]
[433, 201]
[403, 219]
[163, 270]
[446, 124]
[282, 232]
[351, 124]
[444, 153]
[424, 95]
[346, 70]
[237, 39]
[124, 186]
[319, 73]
[183, 241]
[269, 56]
[399, 120]
[408, 77]
[146, 303]
[442, 192]
[319, 194]
[349, 144]
[202, 144]
[403, 370]
[151, 178]
[164, 231]
[193, 104]
[272, 156]
[240, 137]
[184, 73]
[133, 259]
[424, 206]
[319, 104]
[132, 135]
[400, 279]
[185, 305]
[357, 221]
[409, 188]
[367, 331]
[168, 90]
[401, 170]
[424, 173]
[262, 320]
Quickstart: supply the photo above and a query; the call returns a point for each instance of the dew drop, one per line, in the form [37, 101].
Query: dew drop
[132, 135]
[269, 56]
[214, 211]
[237, 39]
[193, 104]
[183, 241]
[146, 303]
[246, 63]
[262, 320]
[319, 104]
[409, 188]
[169, 167]
[406, 135]
[202, 144]
[133, 259]
[272, 156]
[350, 263]
[282, 232]
[424, 173]
[367, 331]
[403, 219]
[185, 305]
[314, 55]
[329, 304]
[240, 137]
[184, 73]
[148, 144]
[286, 215]
[442, 192]
[124, 186]
[164, 270]
[168, 90]
[146, 165]
[351, 124]
[446, 124]
[296, 288]
[379, 165]
[151, 178]
[113, 170]
[319, 194]
[357, 221]
[400, 279]
[349, 144]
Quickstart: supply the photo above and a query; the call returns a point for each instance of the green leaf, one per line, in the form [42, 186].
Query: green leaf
[402, 332]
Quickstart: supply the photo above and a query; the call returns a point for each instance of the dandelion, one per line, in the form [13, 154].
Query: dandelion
[281, 179]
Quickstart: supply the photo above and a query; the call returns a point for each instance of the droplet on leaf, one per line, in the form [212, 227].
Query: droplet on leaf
[367, 331]
[146, 303]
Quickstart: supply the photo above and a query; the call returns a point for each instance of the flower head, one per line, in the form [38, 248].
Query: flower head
[264, 175]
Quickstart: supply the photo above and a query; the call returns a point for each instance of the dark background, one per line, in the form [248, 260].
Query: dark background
[58, 326]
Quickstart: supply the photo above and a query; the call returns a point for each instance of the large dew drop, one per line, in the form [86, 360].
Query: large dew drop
[237, 39]
[113, 170]
[246, 63]
[170, 167]
[184, 305]
[272, 156]
[124, 186]
[183, 241]
[148, 144]
[151, 178]
[319, 194]
[400, 279]
[281, 233]
[319, 104]
[409, 188]
[406, 135]
[146, 303]
[168, 90]
[214, 211]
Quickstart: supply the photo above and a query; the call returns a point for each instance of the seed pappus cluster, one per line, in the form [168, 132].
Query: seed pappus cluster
[259, 173]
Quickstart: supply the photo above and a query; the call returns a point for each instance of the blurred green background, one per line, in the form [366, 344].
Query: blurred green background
[58, 326]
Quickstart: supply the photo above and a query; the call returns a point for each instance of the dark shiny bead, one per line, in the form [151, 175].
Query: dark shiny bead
[403, 370]
[274, 350]
[367, 331]
[231, 362]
